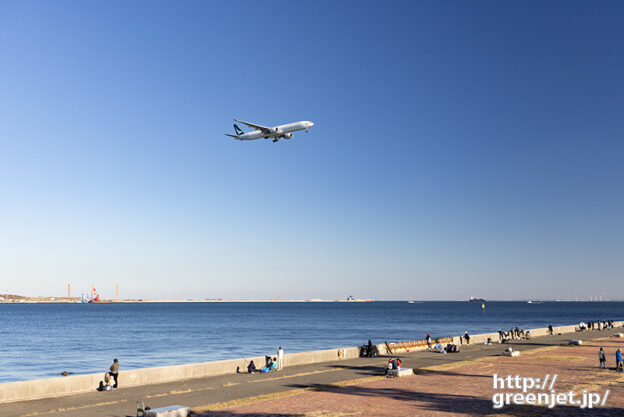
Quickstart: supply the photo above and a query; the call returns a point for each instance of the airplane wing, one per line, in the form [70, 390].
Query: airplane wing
[263, 129]
[239, 138]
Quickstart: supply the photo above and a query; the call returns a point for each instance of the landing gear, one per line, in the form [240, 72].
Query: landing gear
[274, 140]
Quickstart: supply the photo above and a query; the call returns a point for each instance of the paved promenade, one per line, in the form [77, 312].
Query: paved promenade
[218, 396]
[464, 389]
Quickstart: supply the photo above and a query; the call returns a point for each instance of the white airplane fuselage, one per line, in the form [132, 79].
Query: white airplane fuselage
[278, 132]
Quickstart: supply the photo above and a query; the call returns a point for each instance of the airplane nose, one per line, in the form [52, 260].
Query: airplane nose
[311, 124]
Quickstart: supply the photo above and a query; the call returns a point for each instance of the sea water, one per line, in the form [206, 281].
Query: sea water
[43, 340]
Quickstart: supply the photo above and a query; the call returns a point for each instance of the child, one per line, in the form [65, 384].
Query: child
[109, 382]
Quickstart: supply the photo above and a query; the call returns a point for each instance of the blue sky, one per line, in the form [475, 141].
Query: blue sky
[459, 148]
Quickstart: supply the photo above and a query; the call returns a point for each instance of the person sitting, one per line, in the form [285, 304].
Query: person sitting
[388, 366]
[269, 361]
[439, 348]
[364, 351]
[104, 383]
[392, 368]
[398, 362]
[109, 382]
[273, 366]
[251, 368]
[489, 341]
[467, 337]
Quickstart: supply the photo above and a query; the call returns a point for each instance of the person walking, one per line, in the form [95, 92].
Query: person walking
[280, 358]
[618, 361]
[550, 329]
[602, 358]
[114, 371]
[428, 338]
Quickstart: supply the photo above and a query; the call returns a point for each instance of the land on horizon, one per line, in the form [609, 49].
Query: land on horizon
[13, 298]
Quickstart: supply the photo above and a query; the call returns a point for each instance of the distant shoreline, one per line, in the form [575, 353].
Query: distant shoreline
[17, 299]
[13, 299]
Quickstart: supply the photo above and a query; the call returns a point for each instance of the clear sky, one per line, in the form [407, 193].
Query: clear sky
[459, 149]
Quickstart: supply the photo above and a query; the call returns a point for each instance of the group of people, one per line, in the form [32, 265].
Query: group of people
[393, 366]
[513, 334]
[449, 348]
[596, 325]
[274, 363]
[368, 350]
[271, 363]
[619, 366]
[110, 378]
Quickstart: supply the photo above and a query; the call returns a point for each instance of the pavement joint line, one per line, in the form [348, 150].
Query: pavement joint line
[296, 375]
[58, 410]
[280, 395]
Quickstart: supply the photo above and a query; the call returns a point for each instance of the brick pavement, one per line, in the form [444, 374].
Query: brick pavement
[458, 389]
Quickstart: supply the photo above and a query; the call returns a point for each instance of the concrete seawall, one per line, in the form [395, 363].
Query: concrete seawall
[76, 384]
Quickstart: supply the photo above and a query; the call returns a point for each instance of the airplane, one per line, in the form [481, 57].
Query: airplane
[276, 133]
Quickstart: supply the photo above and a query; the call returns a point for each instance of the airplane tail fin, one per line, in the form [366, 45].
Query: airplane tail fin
[238, 130]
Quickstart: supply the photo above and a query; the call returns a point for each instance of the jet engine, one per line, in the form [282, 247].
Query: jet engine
[287, 136]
